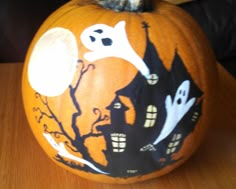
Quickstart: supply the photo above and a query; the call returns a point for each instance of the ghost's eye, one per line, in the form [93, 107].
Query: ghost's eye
[93, 39]
[100, 31]
[107, 41]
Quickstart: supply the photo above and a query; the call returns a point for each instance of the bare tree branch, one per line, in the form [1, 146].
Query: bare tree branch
[73, 90]
[42, 114]
[100, 118]
[82, 72]
[52, 115]
[69, 146]
[56, 134]
[77, 143]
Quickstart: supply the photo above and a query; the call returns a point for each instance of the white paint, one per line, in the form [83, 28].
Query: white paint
[60, 148]
[148, 147]
[151, 116]
[119, 48]
[122, 144]
[176, 110]
[153, 79]
[118, 142]
[115, 144]
[132, 171]
[117, 105]
[53, 62]
[118, 150]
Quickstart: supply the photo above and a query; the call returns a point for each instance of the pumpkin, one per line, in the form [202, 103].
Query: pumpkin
[119, 97]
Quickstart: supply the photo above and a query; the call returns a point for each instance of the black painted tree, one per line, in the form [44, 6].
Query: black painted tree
[75, 143]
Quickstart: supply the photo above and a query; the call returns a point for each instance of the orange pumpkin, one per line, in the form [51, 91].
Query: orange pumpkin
[119, 97]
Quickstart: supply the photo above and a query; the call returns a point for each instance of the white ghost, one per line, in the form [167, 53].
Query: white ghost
[105, 41]
[176, 110]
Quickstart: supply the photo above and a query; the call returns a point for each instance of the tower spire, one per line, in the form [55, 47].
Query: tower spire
[151, 56]
[145, 26]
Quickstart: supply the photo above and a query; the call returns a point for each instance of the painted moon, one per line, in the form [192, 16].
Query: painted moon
[52, 64]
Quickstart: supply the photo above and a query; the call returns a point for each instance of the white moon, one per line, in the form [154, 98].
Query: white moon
[53, 62]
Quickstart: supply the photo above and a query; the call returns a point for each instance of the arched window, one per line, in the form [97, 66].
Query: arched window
[151, 116]
[153, 79]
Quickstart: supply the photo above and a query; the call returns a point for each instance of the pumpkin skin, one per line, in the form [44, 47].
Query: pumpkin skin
[119, 97]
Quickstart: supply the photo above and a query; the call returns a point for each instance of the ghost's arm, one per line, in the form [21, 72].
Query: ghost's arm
[187, 106]
[169, 122]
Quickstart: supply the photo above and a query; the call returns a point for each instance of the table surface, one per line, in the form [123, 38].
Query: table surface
[23, 165]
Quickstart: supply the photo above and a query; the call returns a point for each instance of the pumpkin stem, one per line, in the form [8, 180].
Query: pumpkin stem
[126, 5]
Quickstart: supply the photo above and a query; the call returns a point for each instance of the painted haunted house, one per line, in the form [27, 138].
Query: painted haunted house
[149, 143]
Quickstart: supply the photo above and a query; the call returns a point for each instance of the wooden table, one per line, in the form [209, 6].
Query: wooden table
[23, 165]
